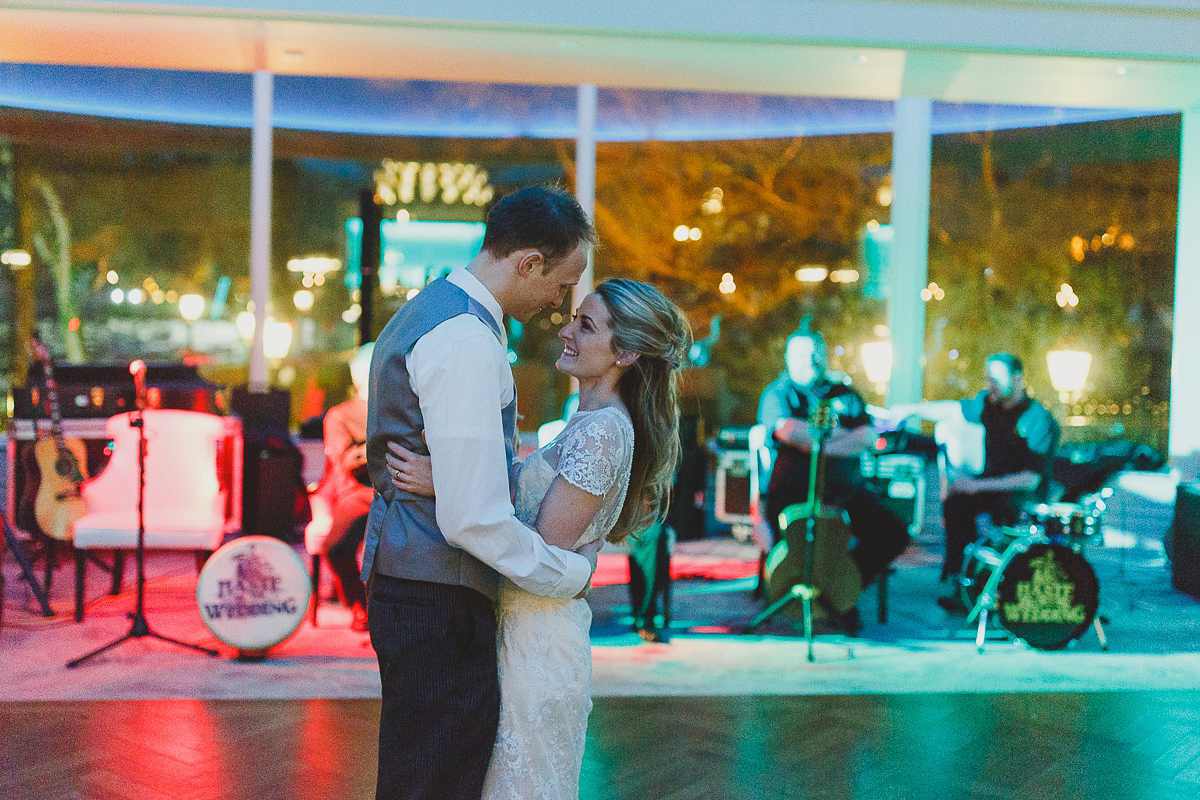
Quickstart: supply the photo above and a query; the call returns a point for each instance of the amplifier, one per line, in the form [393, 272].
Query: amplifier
[1183, 540]
[899, 479]
[736, 487]
[100, 391]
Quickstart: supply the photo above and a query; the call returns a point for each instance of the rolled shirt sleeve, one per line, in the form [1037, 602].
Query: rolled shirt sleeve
[460, 374]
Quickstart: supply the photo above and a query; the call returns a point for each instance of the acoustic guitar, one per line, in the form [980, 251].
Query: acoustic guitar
[62, 461]
[814, 550]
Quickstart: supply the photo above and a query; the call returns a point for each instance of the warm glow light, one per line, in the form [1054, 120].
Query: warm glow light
[112, 276]
[135, 297]
[315, 265]
[812, 273]
[1078, 248]
[1066, 297]
[352, 313]
[844, 275]
[727, 286]
[877, 361]
[411, 293]
[712, 201]
[694, 234]
[277, 339]
[933, 292]
[245, 324]
[681, 233]
[191, 306]
[884, 196]
[1068, 369]
[403, 216]
[16, 258]
[303, 300]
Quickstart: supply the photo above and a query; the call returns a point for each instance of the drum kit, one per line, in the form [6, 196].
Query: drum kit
[1034, 577]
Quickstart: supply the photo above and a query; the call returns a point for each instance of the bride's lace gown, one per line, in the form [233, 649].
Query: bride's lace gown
[545, 653]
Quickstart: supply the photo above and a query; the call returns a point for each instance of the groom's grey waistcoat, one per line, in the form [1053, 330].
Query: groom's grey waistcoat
[403, 539]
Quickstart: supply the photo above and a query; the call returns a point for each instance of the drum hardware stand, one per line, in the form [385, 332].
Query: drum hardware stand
[990, 595]
[824, 420]
[27, 571]
[140, 628]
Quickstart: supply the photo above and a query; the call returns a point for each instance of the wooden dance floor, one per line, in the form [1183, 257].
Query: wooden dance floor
[1083, 746]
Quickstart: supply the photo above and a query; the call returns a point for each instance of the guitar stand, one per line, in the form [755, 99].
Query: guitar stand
[27, 571]
[802, 591]
[139, 627]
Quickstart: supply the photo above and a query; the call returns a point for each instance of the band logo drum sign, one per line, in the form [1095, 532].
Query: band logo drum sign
[253, 592]
[1048, 596]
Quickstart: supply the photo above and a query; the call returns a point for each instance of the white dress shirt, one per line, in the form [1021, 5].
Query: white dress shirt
[460, 373]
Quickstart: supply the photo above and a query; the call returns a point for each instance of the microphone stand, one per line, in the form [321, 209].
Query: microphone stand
[140, 628]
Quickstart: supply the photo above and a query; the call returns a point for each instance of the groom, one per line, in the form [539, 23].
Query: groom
[440, 368]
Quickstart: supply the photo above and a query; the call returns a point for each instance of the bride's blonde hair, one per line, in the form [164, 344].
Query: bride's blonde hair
[645, 322]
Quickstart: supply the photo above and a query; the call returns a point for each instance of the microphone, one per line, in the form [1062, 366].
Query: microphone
[137, 368]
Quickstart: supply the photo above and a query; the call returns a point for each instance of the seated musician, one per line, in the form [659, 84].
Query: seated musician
[785, 408]
[348, 488]
[1020, 437]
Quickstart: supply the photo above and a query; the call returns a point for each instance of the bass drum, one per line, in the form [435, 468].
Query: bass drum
[253, 593]
[1048, 596]
[835, 575]
[982, 560]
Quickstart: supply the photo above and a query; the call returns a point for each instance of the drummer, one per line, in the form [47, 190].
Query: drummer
[1020, 437]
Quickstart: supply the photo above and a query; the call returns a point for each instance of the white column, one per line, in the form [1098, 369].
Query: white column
[260, 223]
[1184, 434]
[585, 175]
[912, 145]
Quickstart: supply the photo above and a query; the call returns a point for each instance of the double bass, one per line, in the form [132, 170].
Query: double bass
[812, 560]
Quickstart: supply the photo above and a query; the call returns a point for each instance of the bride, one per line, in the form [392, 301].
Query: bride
[606, 475]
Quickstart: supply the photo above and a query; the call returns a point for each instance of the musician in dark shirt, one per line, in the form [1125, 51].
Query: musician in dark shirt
[1020, 437]
[785, 408]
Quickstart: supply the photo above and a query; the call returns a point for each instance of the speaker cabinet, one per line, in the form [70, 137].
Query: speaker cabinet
[1183, 545]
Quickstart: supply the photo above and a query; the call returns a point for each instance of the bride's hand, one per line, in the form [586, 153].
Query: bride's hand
[409, 471]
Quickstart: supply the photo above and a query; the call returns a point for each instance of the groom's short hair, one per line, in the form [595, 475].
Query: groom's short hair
[544, 218]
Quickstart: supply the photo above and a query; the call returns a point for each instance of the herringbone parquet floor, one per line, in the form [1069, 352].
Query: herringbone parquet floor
[1083, 746]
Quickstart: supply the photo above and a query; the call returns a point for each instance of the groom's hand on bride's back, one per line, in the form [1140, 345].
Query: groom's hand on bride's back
[409, 471]
[591, 552]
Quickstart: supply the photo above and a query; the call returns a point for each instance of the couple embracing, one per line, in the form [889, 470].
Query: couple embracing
[476, 565]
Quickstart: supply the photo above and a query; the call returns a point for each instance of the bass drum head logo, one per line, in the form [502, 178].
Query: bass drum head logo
[1048, 596]
[253, 592]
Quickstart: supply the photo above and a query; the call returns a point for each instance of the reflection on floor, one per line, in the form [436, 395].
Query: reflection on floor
[712, 713]
[1085, 746]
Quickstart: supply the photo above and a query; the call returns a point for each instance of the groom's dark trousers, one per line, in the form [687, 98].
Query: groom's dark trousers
[436, 645]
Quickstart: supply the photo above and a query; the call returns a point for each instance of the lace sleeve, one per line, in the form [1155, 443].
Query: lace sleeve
[592, 452]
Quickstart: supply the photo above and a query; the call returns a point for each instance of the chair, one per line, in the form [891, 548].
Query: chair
[193, 487]
[315, 534]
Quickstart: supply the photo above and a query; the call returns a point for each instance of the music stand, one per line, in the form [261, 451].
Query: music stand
[140, 628]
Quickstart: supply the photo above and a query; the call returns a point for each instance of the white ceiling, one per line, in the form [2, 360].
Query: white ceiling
[1132, 54]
